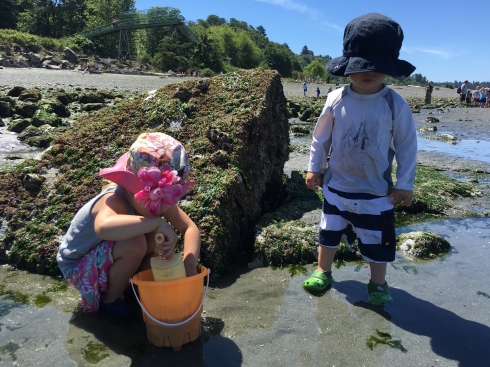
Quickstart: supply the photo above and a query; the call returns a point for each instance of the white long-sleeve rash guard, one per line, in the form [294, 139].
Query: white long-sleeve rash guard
[364, 138]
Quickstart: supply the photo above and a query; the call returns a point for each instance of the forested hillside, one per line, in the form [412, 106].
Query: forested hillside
[225, 45]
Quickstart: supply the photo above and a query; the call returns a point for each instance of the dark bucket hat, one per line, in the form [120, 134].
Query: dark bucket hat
[372, 42]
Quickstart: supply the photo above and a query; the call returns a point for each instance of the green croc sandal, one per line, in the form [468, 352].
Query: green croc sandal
[379, 294]
[318, 281]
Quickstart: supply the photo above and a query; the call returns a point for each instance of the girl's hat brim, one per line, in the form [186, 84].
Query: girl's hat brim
[120, 175]
[342, 66]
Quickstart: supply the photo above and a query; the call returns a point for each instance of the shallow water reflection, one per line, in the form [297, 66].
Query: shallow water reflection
[473, 149]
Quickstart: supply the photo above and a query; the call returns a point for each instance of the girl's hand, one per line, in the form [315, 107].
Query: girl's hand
[165, 240]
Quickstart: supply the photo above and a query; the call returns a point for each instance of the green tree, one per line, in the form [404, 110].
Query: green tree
[248, 55]
[208, 55]
[315, 69]
[238, 24]
[10, 14]
[306, 52]
[214, 20]
[261, 30]
[277, 57]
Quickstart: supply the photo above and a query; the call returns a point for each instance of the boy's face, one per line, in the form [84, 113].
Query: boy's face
[367, 83]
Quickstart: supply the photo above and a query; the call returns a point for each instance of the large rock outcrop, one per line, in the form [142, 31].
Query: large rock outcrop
[235, 127]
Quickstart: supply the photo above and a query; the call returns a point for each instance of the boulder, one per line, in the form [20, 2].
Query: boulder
[30, 94]
[91, 97]
[422, 244]
[17, 126]
[29, 132]
[237, 160]
[5, 109]
[70, 55]
[53, 105]
[35, 59]
[38, 137]
[25, 109]
[34, 48]
[42, 117]
[16, 47]
[5, 49]
[15, 91]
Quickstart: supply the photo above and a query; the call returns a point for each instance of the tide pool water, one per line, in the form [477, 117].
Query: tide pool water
[473, 149]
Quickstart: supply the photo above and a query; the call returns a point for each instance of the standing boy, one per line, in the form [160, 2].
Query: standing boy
[363, 126]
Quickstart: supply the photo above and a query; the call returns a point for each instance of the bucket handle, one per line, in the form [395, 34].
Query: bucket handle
[179, 323]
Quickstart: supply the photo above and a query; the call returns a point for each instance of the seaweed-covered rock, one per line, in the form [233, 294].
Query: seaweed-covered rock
[431, 119]
[25, 109]
[53, 105]
[92, 107]
[15, 91]
[422, 244]
[42, 117]
[30, 94]
[17, 126]
[5, 109]
[91, 97]
[237, 157]
[289, 235]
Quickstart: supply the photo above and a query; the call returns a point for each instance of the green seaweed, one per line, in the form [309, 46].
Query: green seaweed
[296, 269]
[9, 348]
[94, 352]
[41, 300]
[17, 297]
[386, 339]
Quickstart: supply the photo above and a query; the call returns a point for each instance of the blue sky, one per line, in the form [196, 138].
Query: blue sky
[446, 40]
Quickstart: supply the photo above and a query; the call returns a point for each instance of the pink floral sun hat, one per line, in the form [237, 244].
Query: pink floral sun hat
[155, 170]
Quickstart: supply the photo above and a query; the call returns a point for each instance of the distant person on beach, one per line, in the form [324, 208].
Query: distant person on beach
[113, 235]
[329, 90]
[337, 86]
[428, 93]
[483, 97]
[476, 96]
[363, 126]
[469, 97]
[305, 88]
[317, 92]
[464, 90]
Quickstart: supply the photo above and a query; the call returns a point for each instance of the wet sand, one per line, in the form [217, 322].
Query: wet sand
[263, 317]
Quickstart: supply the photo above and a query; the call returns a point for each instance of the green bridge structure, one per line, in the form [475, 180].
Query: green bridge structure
[141, 19]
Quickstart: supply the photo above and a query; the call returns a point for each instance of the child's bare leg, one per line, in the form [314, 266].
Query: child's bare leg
[325, 258]
[378, 273]
[150, 251]
[127, 255]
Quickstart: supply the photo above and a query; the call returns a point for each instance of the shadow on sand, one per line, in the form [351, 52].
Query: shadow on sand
[451, 336]
[130, 339]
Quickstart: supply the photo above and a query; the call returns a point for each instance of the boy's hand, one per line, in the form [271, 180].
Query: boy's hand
[402, 197]
[313, 180]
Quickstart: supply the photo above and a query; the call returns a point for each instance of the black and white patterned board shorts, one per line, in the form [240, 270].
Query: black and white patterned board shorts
[368, 218]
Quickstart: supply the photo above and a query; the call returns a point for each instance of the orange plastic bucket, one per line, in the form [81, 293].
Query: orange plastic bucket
[171, 308]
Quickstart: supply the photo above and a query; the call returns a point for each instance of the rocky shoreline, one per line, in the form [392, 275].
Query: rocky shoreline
[462, 123]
